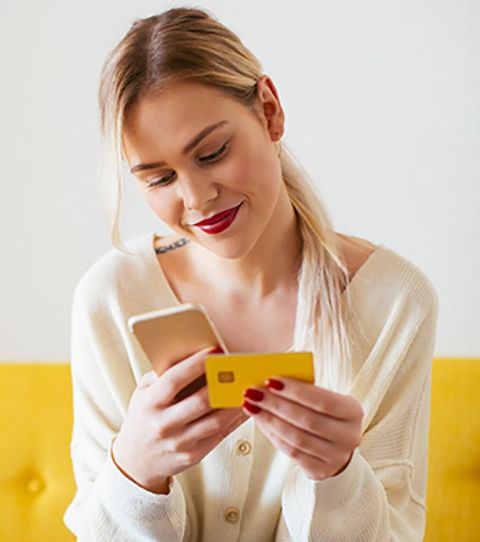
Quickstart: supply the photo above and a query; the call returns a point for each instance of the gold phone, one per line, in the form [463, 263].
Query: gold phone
[170, 335]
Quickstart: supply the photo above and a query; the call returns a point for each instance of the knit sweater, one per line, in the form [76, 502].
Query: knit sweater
[245, 489]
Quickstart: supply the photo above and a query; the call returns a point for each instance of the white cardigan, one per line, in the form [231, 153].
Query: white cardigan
[245, 489]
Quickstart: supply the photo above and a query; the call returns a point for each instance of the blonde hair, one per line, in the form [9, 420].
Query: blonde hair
[190, 44]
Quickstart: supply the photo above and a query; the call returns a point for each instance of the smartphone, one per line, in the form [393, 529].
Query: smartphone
[170, 335]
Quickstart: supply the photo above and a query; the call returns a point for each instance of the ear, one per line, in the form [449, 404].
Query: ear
[270, 108]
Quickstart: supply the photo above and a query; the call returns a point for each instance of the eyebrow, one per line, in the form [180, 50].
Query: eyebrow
[188, 147]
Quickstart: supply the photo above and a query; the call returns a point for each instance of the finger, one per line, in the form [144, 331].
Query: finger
[228, 428]
[202, 447]
[216, 425]
[237, 422]
[188, 410]
[191, 409]
[336, 405]
[295, 437]
[315, 467]
[308, 420]
[175, 378]
[147, 379]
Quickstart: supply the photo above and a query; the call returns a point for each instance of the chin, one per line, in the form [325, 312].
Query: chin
[242, 244]
[230, 249]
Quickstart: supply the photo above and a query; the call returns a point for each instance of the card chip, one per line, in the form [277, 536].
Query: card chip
[226, 376]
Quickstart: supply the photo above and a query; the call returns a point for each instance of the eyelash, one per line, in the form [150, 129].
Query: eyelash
[211, 158]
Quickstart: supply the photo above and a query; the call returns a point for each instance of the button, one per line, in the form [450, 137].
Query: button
[232, 514]
[243, 447]
[35, 485]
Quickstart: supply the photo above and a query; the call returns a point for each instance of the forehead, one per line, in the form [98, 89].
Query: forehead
[179, 111]
[160, 123]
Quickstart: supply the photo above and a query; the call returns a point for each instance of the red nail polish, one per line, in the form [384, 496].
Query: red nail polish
[254, 409]
[274, 384]
[217, 350]
[255, 395]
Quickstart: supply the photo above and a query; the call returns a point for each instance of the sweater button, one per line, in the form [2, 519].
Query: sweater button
[243, 447]
[232, 514]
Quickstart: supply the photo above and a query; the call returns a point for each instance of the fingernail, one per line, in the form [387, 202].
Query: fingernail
[274, 384]
[255, 395]
[217, 350]
[253, 409]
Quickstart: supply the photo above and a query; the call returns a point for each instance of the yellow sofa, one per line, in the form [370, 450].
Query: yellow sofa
[36, 480]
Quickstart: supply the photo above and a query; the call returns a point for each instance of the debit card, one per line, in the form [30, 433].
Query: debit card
[228, 375]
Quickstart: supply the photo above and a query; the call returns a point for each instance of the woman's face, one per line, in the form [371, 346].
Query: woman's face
[234, 164]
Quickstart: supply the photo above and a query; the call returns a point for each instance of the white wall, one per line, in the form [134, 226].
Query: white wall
[382, 107]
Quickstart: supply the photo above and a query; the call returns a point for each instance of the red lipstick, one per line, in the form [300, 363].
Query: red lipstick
[219, 222]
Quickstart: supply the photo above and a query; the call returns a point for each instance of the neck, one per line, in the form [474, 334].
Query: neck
[270, 266]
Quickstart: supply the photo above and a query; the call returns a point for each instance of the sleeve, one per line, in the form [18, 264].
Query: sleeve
[381, 495]
[107, 505]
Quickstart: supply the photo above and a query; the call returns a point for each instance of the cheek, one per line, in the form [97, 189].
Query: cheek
[165, 205]
[236, 175]
[253, 172]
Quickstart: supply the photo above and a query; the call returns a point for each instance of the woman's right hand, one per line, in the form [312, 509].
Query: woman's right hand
[160, 437]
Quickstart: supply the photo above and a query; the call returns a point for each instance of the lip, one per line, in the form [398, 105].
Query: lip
[219, 225]
[216, 218]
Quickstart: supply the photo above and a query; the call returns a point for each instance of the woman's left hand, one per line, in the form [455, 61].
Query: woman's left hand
[316, 427]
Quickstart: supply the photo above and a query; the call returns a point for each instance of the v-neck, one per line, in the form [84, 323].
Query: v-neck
[155, 264]
[152, 258]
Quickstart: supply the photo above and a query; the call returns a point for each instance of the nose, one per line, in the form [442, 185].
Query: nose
[196, 193]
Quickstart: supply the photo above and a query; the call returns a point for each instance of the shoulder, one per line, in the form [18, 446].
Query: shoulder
[394, 309]
[355, 251]
[407, 279]
[114, 273]
[395, 287]
[386, 282]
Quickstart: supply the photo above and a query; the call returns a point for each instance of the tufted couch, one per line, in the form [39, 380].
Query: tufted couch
[36, 480]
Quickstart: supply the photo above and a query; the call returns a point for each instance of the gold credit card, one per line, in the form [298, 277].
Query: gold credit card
[228, 375]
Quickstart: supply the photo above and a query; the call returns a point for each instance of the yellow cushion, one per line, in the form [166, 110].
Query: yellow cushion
[36, 479]
[453, 491]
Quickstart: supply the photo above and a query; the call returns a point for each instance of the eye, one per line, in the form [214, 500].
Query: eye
[214, 157]
[163, 181]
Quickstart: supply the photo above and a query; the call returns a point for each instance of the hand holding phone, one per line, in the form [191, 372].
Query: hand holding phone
[160, 437]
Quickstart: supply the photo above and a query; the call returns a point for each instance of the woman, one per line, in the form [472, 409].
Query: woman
[186, 107]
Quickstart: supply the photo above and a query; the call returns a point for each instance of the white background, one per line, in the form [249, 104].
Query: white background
[382, 109]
